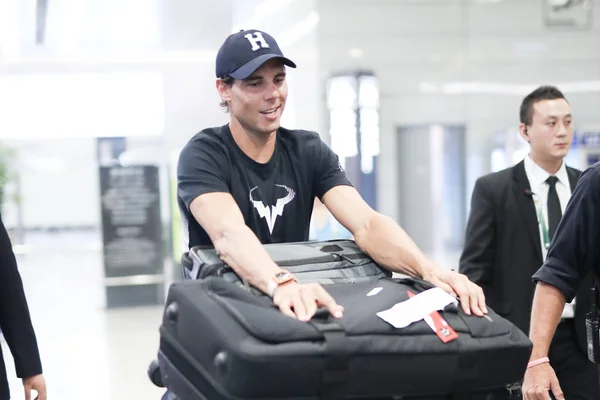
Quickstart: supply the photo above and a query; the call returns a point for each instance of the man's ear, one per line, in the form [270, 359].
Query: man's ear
[523, 132]
[223, 89]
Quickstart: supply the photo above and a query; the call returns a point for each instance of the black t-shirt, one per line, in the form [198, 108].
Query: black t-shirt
[575, 248]
[276, 198]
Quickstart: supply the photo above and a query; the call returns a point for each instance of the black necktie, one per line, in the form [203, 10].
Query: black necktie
[554, 210]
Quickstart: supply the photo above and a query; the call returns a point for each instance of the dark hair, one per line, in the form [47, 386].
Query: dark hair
[539, 94]
[228, 80]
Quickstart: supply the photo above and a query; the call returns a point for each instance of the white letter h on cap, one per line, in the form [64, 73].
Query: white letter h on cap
[256, 39]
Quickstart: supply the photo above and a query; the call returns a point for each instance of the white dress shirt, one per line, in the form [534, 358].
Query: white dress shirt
[537, 181]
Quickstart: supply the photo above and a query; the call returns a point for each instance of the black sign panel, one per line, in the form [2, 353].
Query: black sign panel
[131, 221]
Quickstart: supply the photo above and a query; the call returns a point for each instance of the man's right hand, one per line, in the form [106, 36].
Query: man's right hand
[301, 301]
[539, 380]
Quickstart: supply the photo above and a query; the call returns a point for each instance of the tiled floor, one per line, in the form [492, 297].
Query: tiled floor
[89, 352]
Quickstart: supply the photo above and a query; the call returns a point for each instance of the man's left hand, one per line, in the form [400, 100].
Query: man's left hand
[36, 383]
[470, 295]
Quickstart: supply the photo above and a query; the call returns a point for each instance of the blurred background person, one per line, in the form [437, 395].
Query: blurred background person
[16, 326]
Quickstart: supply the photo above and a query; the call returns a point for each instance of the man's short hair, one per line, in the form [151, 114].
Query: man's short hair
[546, 92]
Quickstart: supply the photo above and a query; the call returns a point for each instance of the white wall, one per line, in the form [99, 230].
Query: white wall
[408, 42]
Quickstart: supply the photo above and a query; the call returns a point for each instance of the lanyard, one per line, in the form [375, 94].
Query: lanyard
[541, 221]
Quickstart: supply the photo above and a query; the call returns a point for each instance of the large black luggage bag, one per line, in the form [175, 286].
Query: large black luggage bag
[220, 341]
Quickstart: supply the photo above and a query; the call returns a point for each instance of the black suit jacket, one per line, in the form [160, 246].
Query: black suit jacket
[503, 250]
[15, 320]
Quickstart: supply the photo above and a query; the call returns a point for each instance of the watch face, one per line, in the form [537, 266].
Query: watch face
[283, 276]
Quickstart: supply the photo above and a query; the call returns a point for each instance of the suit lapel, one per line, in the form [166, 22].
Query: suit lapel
[526, 206]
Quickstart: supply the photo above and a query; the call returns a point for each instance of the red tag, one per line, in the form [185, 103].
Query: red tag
[438, 324]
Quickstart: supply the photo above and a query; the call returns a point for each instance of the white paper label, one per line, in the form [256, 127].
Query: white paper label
[416, 308]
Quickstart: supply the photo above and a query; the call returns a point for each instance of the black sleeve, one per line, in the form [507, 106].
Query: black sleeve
[476, 260]
[328, 172]
[575, 248]
[202, 168]
[15, 320]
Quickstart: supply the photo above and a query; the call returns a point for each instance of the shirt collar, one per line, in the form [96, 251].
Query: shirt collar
[537, 175]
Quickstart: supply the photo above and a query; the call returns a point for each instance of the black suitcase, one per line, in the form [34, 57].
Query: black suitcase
[222, 342]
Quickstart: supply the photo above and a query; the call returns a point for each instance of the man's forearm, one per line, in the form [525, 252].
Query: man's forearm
[390, 246]
[548, 304]
[239, 247]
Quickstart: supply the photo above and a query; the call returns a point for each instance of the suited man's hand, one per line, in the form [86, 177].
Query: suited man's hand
[37, 383]
[470, 295]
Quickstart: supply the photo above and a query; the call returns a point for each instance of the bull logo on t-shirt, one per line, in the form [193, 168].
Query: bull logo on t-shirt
[270, 213]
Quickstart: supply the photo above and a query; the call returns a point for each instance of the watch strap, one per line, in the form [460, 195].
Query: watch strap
[271, 286]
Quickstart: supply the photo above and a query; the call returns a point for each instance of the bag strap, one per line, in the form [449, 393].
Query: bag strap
[335, 373]
[464, 378]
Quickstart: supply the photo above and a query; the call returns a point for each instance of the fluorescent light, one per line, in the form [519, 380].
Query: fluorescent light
[9, 32]
[81, 105]
[508, 89]
[116, 58]
[429, 87]
[64, 29]
[356, 53]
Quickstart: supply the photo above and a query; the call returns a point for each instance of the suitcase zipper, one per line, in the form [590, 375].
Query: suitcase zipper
[332, 257]
[352, 258]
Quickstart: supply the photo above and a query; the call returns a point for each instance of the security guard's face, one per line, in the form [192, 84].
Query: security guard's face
[551, 131]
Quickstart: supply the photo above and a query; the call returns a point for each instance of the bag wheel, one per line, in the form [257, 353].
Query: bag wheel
[154, 374]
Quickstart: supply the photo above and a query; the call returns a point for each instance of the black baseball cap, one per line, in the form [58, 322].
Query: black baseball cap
[244, 52]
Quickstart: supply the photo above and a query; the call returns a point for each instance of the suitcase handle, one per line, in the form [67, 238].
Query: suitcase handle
[322, 313]
[335, 373]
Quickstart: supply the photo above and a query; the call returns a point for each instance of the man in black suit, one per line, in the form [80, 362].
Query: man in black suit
[514, 214]
[15, 323]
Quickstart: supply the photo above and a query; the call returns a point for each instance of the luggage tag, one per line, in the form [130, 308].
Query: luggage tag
[438, 324]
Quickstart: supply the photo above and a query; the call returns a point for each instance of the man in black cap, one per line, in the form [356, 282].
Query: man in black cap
[252, 181]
